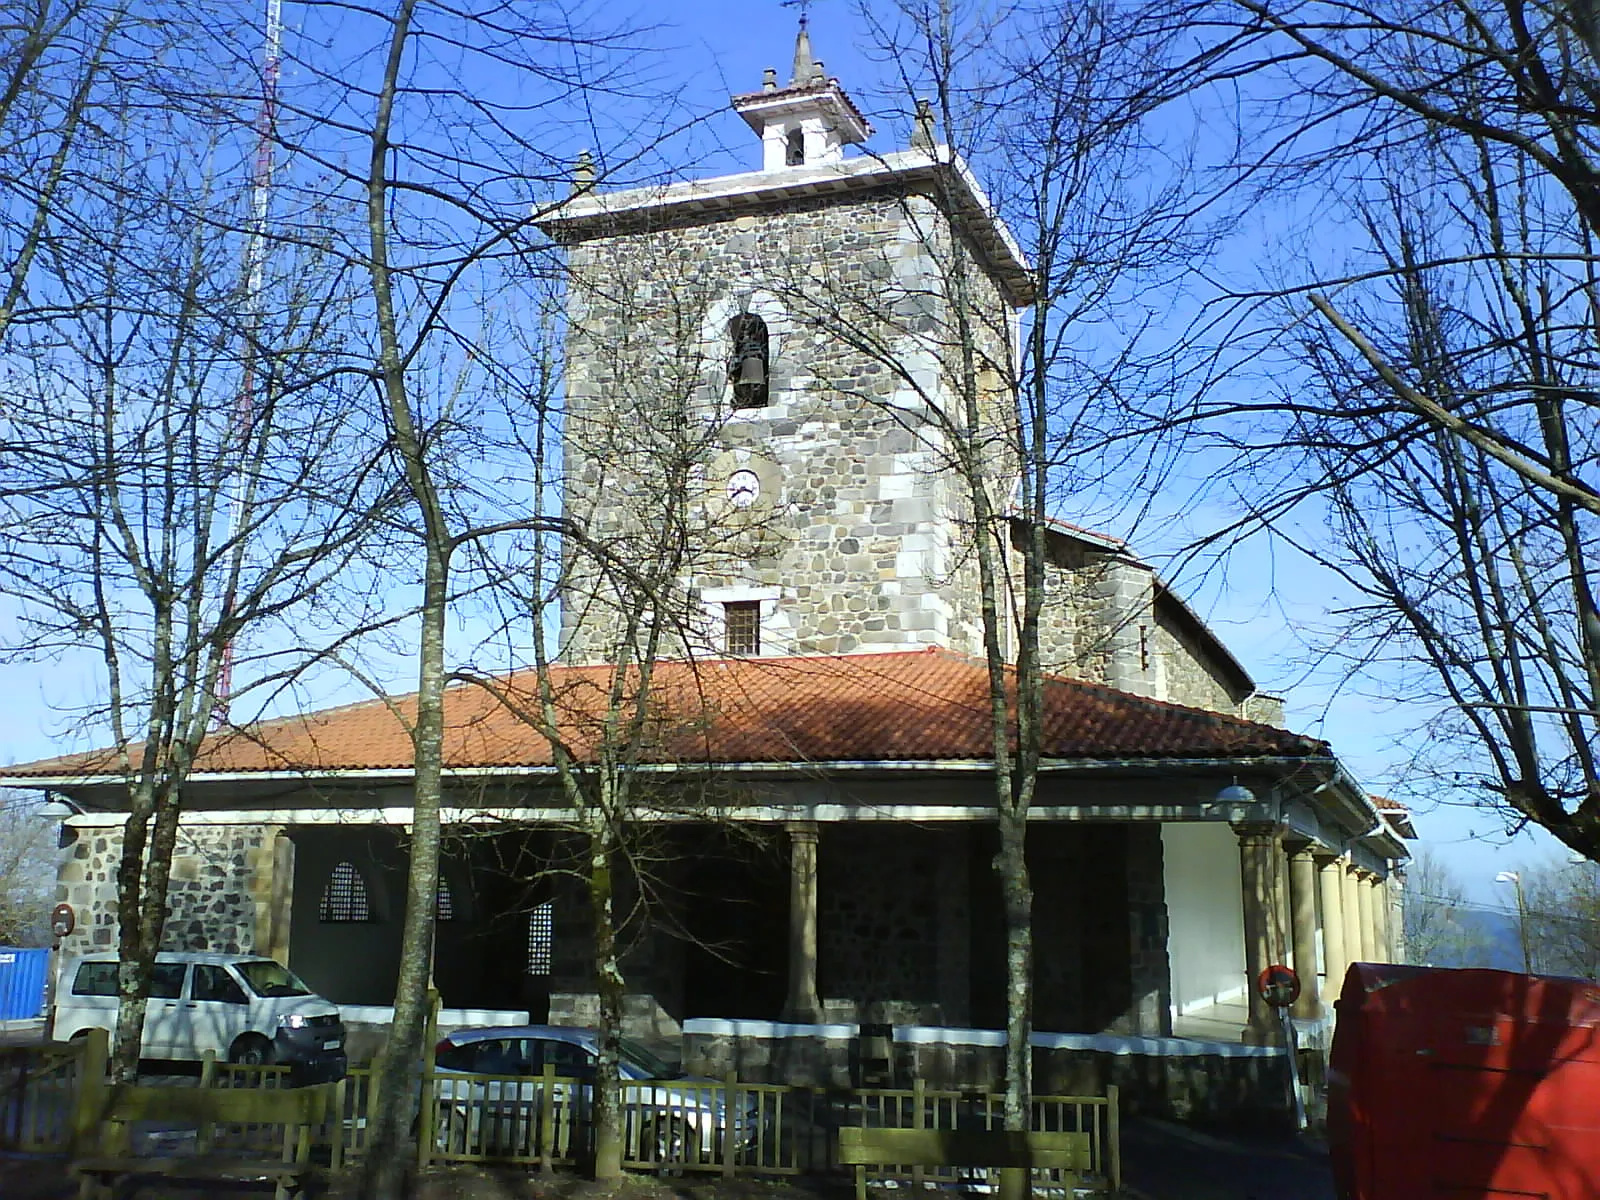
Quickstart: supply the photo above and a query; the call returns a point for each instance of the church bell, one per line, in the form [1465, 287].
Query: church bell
[752, 369]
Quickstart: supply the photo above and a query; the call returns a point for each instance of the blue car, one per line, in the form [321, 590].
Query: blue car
[488, 1099]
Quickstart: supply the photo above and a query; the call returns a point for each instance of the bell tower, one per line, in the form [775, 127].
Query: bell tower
[769, 356]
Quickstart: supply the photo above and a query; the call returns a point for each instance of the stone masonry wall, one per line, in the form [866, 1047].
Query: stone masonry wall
[220, 897]
[877, 924]
[1191, 678]
[1219, 1089]
[857, 539]
[1150, 968]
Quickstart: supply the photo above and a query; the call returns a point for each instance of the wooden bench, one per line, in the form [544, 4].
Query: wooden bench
[299, 1110]
[1070, 1153]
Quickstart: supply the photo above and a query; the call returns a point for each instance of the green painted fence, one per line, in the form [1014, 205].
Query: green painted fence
[670, 1126]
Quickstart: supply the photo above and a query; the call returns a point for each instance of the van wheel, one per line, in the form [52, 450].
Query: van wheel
[251, 1050]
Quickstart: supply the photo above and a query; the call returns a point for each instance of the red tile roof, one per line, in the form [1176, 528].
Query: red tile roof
[927, 705]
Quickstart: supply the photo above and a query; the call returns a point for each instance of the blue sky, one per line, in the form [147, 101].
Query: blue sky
[717, 47]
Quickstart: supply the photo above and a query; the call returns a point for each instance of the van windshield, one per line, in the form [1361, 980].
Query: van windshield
[268, 978]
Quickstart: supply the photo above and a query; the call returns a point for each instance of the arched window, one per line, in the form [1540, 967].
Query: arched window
[795, 148]
[748, 366]
[345, 897]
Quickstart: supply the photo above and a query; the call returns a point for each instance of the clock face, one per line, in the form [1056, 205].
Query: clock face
[744, 488]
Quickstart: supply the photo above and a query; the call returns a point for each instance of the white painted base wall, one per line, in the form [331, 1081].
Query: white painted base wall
[1205, 914]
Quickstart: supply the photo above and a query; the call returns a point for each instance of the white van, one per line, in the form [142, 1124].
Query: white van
[245, 1008]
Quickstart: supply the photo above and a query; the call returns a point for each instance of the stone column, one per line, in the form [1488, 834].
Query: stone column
[1260, 869]
[1379, 888]
[1335, 958]
[1369, 943]
[1303, 927]
[281, 904]
[802, 1005]
[1394, 908]
[1353, 937]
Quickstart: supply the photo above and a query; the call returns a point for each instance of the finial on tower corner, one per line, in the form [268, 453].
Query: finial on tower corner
[769, 79]
[583, 173]
[923, 127]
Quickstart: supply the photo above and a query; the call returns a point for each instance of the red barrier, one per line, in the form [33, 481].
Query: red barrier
[1466, 1084]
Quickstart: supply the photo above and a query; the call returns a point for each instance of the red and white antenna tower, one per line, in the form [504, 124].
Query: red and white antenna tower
[254, 266]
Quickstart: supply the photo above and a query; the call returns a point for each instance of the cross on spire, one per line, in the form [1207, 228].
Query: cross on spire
[805, 9]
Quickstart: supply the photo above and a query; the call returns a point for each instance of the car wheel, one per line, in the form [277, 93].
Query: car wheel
[449, 1129]
[251, 1050]
[669, 1138]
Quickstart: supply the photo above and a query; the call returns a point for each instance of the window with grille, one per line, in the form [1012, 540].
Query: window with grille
[541, 938]
[345, 897]
[444, 908]
[743, 623]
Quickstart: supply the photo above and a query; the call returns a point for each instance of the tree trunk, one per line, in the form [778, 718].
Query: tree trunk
[384, 1170]
[1017, 894]
[608, 1115]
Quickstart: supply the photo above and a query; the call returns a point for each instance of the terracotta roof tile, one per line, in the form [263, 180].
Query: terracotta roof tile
[913, 706]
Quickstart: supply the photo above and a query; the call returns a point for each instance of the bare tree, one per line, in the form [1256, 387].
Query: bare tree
[1443, 388]
[1052, 103]
[1561, 908]
[437, 172]
[1437, 929]
[630, 443]
[59, 63]
[152, 521]
[27, 871]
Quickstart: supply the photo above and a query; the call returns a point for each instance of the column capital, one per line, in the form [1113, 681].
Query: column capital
[1299, 848]
[1258, 831]
[801, 831]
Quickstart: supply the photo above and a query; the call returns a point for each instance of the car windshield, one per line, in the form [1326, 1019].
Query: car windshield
[267, 978]
[647, 1064]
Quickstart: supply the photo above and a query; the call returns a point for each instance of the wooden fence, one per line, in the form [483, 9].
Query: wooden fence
[723, 1126]
[39, 1087]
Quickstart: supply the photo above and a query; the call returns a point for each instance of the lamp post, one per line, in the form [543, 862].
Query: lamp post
[1515, 880]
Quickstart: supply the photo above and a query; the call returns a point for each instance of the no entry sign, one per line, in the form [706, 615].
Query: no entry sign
[1278, 985]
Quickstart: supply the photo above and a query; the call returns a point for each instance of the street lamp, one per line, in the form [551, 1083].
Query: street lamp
[1515, 880]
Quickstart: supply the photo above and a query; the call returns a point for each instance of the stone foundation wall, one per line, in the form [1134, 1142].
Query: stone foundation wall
[1225, 1086]
[220, 897]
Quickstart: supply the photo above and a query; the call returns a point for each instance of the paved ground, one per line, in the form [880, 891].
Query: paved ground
[26, 1032]
[1165, 1161]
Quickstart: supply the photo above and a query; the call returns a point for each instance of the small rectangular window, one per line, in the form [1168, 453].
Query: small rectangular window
[214, 983]
[96, 979]
[742, 619]
[166, 983]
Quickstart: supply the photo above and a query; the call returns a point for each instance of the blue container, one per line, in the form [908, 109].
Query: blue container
[22, 975]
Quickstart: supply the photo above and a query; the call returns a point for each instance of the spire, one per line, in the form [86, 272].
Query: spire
[807, 70]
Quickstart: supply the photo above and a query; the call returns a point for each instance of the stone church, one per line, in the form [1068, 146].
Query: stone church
[767, 358]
